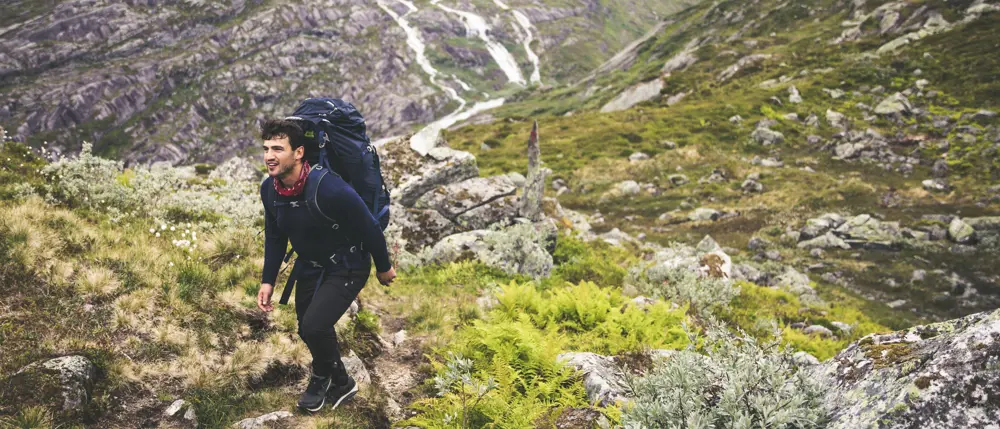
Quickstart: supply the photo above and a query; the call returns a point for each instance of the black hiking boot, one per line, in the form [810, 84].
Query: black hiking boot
[340, 393]
[315, 395]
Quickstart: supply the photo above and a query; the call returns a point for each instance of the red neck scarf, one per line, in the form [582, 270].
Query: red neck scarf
[299, 185]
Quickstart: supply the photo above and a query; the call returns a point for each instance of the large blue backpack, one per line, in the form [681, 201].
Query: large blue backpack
[345, 149]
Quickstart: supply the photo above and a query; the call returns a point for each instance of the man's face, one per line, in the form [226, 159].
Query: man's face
[279, 156]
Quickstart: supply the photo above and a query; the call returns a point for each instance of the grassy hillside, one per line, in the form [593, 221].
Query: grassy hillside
[162, 300]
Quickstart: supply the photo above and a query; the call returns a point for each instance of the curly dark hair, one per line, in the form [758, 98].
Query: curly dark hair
[278, 128]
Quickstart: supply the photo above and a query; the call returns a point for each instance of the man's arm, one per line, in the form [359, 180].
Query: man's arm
[346, 207]
[275, 241]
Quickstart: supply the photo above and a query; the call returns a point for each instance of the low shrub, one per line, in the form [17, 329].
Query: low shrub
[680, 285]
[738, 383]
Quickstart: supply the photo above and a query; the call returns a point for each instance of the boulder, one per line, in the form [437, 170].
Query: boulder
[836, 119]
[848, 150]
[893, 105]
[506, 250]
[678, 179]
[420, 227]
[534, 185]
[865, 231]
[708, 244]
[984, 224]
[517, 178]
[940, 376]
[496, 211]
[834, 93]
[758, 243]
[767, 136]
[356, 368]
[455, 199]
[411, 175]
[62, 384]
[603, 380]
[793, 95]
[812, 121]
[628, 187]
[961, 232]
[175, 408]
[703, 214]
[818, 226]
[936, 185]
[637, 156]
[842, 327]
[750, 186]
[825, 241]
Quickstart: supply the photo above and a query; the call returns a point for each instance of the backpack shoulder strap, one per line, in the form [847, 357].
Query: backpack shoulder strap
[316, 176]
[268, 194]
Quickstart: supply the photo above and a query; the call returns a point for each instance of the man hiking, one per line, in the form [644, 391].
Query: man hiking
[333, 261]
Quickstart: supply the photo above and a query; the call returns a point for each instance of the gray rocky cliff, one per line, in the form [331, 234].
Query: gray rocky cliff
[184, 81]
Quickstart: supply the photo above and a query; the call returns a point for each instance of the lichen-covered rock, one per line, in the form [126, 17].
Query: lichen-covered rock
[62, 385]
[704, 214]
[825, 241]
[767, 136]
[819, 226]
[454, 199]
[961, 232]
[865, 231]
[420, 227]
[836, 119]
[411, 176]
[941, 376]
[793, 95]
[603, 380]
[515, 250]
[893, 104]
[499, 210]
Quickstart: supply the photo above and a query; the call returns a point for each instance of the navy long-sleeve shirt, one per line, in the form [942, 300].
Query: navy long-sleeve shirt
[315, 240]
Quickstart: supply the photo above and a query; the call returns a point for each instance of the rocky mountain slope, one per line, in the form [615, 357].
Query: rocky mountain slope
[739, 209]
[856, 140]
[186, 81]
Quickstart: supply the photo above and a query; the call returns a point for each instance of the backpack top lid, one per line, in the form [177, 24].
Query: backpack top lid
[340, 134]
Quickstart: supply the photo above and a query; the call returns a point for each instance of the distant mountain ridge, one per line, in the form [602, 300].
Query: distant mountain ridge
[178, 80]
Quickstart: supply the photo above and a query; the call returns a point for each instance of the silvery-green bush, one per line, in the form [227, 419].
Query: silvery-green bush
[520, 249]
[155, 192]
[739, 383]
[682, 286]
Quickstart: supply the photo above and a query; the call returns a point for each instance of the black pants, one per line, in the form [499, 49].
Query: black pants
[319, 309]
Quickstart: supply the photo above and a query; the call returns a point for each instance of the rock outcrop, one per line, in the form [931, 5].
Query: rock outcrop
[935, 376]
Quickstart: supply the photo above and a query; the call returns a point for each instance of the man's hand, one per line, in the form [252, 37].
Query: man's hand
[264, 297]
[387, 277]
